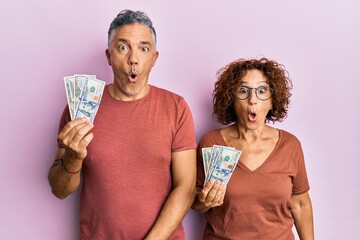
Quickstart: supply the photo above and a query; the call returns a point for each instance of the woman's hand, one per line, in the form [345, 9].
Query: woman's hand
[212, 195]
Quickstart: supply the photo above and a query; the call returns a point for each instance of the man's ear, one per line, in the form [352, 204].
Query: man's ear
[156, 55]
[107, 53]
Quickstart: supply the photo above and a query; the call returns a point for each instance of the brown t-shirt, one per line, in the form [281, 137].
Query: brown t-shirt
[127, 172]
[257, 203]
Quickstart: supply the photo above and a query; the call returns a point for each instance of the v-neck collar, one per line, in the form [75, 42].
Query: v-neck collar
[243, 166]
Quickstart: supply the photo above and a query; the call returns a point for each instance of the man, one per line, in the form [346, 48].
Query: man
[138, 159]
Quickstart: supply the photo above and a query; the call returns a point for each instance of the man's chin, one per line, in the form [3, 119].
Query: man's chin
[135, 91]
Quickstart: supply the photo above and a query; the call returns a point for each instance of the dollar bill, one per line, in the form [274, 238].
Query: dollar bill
[206, 154]
[215, 151]
[69, 89]
[79, 83]
[222, 164]
[90, 98]
[85, 89]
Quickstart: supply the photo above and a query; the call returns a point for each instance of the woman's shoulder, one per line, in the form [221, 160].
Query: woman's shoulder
[212, 132]
[288, 137]
[211, 137]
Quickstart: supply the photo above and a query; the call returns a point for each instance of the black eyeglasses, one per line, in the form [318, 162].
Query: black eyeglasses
[263, 93]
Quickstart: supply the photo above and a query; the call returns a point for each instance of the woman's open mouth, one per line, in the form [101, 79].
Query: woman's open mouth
[252, 116]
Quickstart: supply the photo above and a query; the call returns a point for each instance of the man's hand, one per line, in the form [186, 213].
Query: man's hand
[75, 137]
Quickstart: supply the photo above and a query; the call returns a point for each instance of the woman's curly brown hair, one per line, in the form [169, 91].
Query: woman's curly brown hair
[229, 79]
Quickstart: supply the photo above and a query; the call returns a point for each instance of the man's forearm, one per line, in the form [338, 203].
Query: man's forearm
[61, 181]
[172, 213]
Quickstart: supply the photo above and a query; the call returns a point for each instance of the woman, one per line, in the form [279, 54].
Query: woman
[268, 191]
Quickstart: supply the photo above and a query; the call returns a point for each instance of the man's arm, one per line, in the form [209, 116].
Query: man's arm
[64, 174]
[303, 216]
[180, 199]
[63, 183]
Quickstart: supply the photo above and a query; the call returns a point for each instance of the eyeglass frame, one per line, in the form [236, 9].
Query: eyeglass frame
[256, 93]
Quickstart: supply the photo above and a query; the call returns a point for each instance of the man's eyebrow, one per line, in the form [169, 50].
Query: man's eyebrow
[123, 40]
[145, 43]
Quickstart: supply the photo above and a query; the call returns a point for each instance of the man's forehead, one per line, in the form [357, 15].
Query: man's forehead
[134, 30]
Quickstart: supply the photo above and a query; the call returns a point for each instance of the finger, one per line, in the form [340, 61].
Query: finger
[70, 125]
[204, 192]
[80, 131]
[79, 152]
[219, 196]
[86, 140]
[212, 193]
[67, 133]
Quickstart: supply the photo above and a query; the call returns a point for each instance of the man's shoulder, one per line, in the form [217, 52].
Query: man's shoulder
[165, 93]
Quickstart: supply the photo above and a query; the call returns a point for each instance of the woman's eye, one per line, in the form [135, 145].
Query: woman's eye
[262, 90]
[244, 90]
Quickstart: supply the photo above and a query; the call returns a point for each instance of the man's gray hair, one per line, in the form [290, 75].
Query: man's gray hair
[128, 17]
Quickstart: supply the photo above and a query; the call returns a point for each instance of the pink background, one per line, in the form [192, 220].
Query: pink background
[44, 40]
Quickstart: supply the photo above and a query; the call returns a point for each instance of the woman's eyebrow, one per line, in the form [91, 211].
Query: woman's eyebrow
[244, 82]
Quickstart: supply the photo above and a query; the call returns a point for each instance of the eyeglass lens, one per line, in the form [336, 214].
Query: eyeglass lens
[262, 93]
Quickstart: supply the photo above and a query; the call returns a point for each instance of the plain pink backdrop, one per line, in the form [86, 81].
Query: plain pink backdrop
[317, 41]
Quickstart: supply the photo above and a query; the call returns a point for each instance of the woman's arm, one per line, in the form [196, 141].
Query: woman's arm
[303, 217]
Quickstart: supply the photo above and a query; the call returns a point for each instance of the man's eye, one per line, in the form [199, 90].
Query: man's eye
[145, 49]
[122, 48]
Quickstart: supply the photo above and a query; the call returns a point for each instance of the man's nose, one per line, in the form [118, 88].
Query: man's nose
[133, 58]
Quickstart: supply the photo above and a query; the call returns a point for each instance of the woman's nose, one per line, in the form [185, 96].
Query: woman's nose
[252, 96]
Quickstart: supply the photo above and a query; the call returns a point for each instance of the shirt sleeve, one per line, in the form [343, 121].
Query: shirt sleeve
[300, 180]
[185, 134]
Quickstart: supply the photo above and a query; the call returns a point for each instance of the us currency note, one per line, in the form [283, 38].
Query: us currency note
[215, 151]
[79, 83]
[69, 89]
[90, 98]
[224, 164]
[206, 155]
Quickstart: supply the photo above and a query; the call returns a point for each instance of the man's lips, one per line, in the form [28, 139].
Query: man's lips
[133, 73]
[133, 76]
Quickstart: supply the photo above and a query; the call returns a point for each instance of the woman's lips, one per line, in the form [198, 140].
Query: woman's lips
[252, 115]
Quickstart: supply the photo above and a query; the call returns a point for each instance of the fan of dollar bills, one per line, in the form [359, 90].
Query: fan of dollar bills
[83, 93]
[219, 163]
